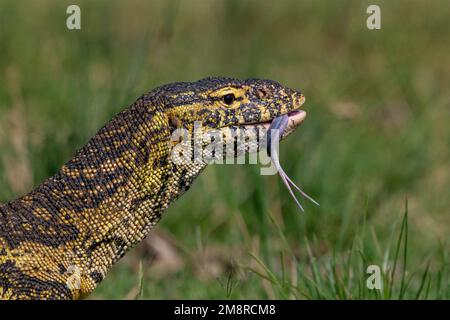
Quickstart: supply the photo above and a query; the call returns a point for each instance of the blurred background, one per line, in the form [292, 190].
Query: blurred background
[374, 150]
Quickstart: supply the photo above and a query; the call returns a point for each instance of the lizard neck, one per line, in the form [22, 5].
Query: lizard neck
[102, 202]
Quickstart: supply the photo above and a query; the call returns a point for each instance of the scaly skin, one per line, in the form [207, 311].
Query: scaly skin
[60, 240]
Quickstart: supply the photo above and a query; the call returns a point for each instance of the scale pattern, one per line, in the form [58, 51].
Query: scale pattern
[59, 241]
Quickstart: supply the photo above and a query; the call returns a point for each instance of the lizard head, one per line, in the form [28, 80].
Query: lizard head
[221, 103]
[235, 111]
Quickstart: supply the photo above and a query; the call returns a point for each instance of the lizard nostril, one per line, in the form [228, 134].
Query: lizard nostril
[261, 94]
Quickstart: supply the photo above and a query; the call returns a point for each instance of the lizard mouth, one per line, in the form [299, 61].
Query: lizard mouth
[296, 117]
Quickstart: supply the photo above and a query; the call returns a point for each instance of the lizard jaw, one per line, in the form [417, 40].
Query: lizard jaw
[296, 118]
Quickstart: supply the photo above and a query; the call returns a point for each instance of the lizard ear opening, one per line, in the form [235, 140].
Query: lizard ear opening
[178, 133]
[175, 122]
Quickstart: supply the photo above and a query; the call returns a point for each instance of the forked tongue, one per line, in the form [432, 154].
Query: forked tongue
[274, 134]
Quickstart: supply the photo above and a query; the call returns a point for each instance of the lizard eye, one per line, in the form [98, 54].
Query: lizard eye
[228, 98]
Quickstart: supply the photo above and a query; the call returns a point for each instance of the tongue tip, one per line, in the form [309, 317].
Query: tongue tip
[280, 123]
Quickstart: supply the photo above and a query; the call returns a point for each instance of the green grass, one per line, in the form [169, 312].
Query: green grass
[376, 136]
